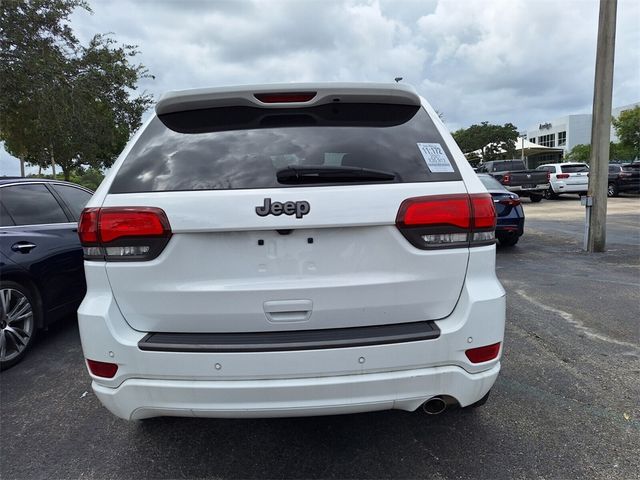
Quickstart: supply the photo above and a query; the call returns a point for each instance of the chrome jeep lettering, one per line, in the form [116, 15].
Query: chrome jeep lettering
[299, 209]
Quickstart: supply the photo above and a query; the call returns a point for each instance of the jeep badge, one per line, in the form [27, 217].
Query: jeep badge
[300, 209]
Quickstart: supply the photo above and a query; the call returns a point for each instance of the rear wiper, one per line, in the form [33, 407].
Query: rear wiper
[328, 174]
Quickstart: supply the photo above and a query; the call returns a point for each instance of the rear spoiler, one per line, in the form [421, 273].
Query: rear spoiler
[289, 95]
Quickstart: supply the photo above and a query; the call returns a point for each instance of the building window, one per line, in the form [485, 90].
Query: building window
[532, 139]
[547, 140]
[562, 139]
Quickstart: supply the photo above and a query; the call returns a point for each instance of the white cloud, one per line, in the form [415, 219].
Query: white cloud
[519, 61]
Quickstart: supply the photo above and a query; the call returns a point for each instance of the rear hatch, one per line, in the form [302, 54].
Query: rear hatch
[283, 217]
[575, 174]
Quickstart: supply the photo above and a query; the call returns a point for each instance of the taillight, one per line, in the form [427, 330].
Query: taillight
[123, 233]
[562, 175]
[483, 354]
[448, 221]
[510, 201]
[506, 179]
[285, 97]
[102, 369]
[549, 177]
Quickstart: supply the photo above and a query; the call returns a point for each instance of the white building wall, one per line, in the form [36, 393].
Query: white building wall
[577, 128]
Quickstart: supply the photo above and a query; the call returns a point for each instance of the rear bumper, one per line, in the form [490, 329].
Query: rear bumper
[562, 187]
[628, 186]
[403, 390]
[523, 192]
[301, 382]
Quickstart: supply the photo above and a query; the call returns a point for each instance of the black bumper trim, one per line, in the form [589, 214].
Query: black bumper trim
[289, 340]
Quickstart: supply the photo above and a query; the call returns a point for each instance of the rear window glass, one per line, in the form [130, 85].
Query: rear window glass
[632, 167]
[574, 168]
[244, 147]
[506, 166]
[490, 183]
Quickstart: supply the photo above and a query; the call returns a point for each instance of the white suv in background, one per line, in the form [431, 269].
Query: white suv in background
[566, 178]
[291, 250]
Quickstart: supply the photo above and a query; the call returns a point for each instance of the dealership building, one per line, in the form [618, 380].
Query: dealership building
[568, 131]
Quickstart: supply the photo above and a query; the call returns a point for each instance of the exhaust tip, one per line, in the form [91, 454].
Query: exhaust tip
[434, 406]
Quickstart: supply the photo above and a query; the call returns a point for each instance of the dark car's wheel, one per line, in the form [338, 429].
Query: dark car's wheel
[549, 194]
[18, 316]
[508, 240]
[535, 198]
[612, 190]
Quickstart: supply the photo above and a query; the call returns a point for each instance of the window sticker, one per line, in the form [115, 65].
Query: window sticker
[435, 157]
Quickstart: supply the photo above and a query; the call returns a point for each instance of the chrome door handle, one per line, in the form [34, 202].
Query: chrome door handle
[23, 247]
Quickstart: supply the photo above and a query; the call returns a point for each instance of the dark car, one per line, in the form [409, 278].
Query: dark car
[510, 221]
[41, 261]
[623, 178]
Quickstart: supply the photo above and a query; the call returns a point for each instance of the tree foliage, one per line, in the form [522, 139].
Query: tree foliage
[618, 152]
[627, 127]
[90, 178]
[579, 153]
[61, 100]
[494, 141]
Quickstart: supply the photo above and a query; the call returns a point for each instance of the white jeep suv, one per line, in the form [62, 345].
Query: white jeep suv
[290, 250]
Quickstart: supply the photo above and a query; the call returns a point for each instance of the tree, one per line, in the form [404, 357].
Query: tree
[62, 101]
[579, 153]
[493, 141]
[627, 127]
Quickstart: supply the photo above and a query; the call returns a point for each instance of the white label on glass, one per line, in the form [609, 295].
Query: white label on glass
[435, 157]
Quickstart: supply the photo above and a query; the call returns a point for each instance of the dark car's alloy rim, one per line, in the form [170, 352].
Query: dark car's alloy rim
[16, 323]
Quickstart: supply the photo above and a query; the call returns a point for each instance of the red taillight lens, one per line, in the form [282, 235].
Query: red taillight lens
[562, 175]
[123, 233]
[484, 212]
[102, 369]
[132, 222]
[506, 179]
[445, 210]
[88, 226]
[512, 202]
[548, 177]
[483, 354]
[285, 97]
[447, 221]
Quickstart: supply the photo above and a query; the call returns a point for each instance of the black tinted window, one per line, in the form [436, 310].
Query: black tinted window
[31, 205]
[5, 218]
[507, 165]
[490, 183]
[75, 198]
[574, 168]
[244, 147]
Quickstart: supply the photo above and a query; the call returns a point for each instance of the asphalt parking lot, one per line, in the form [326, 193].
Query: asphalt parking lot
[566, 405]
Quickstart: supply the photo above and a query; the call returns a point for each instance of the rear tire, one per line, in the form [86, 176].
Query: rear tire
[535, 198]
[19, 318]
[612, 190]
[549, 194]
[508, 240]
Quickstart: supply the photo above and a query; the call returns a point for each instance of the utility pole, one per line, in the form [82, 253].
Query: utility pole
[601, 128]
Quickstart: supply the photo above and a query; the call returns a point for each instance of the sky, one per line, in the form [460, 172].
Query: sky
[519, 61]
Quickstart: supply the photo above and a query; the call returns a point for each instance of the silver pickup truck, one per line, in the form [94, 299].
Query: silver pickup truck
[516, 178]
